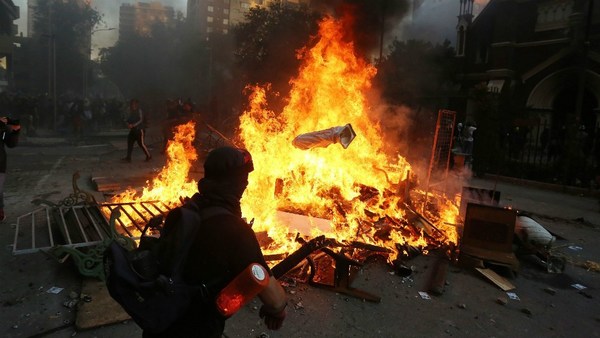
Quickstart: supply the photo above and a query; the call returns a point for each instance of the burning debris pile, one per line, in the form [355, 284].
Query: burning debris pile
[359, 188]
[354, 195]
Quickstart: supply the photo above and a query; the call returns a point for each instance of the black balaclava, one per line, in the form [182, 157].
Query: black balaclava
[226, 172]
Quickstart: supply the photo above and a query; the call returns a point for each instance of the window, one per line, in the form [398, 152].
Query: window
[209, 29]
[226, 21]
[553, 15]
[225, 10]
[225, 31]
[209, 19]
[211, 9]
[245, 5]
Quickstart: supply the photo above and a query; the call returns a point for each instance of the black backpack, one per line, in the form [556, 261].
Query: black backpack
[147, 281]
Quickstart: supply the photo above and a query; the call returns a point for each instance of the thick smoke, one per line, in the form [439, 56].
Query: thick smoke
[375, 21]
[367, 21]
[433, 21]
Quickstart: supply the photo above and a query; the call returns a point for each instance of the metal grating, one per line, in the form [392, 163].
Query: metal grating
[81, 225]
[439, 162]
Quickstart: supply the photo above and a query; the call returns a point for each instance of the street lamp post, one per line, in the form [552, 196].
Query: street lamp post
[52, 73]
[52, 67]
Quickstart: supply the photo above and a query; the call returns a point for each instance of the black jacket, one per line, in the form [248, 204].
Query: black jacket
[224, 246]
[9, 139]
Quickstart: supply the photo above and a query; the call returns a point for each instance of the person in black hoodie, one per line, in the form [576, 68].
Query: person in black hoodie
[9, 131]
[224, 246]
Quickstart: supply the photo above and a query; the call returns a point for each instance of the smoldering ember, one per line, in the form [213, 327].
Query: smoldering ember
[452, 184]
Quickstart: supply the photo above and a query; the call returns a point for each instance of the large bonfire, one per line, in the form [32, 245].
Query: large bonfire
[355, 189]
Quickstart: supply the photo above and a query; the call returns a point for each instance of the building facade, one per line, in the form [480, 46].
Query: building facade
[8, 14]
[535, 54]
[139, 18]
[541, 61]
[218, 16]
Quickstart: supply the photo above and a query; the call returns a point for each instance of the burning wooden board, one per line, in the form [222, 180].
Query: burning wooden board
[303, 224]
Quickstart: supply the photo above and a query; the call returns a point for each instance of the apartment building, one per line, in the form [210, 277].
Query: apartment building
[218, 16]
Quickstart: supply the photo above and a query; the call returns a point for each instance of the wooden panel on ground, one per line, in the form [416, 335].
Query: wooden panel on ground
[500, 281]
[105, 184]
[101, 310]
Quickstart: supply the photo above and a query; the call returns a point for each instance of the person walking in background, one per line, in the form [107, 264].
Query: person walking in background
[9, 137]
[135, 123]
[469, 131]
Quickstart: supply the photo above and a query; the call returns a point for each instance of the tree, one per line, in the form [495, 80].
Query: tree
[64, 27]
[415, 70]
[268, 40]
[415, 78]
[149, 67]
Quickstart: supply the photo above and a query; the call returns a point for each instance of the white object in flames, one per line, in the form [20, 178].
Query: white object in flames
[323, 138]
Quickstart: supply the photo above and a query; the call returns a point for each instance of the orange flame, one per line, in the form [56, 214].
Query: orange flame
[329, 91]
[355, 190]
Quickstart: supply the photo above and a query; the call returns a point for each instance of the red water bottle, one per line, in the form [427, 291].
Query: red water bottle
[245, 286]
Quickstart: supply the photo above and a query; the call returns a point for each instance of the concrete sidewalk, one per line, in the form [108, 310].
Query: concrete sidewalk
[50, 138]
[526, 197]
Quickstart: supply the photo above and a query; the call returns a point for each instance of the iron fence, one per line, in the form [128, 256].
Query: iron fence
[538, 152]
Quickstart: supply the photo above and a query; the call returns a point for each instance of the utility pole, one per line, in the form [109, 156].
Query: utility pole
[54, 78]
[52, 66]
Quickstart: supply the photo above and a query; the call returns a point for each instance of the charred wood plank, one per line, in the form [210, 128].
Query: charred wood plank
[297, 256]
[370, 247]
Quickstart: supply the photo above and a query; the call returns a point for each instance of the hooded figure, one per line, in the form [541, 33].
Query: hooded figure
[225, 179]
[224, 246]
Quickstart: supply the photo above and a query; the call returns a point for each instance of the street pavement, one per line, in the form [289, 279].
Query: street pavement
[43, 167]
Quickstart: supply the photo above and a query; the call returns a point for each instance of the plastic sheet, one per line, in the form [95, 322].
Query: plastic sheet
[323, 138]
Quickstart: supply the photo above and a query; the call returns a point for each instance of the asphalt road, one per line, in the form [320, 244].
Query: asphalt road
[548, 305]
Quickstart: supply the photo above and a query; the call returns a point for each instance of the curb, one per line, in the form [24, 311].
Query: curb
[584, 192]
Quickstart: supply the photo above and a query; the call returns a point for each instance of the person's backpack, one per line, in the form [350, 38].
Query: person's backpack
[147, 281]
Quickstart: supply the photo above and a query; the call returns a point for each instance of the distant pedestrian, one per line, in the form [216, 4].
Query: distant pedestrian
[135, 123]
[459, 138]
[469, 138]
[9, 137]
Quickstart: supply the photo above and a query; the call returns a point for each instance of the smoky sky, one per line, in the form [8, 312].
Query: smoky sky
[110, 17]
[430, 20]
[109, 9]
[378, 22]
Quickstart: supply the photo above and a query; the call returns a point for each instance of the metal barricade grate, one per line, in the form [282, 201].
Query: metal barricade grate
[81, 225]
